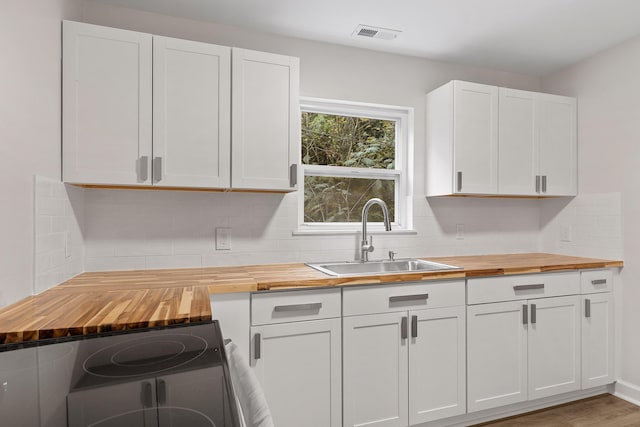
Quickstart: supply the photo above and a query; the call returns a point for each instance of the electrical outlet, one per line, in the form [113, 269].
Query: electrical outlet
[223, 239]
[460, 231]
[566, 233]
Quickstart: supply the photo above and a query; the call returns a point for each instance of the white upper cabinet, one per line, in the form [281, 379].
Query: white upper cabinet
[191, 116]
[537, 144]
[265, 120]
[484, 140]
[558, 145]
[115, 81]
[462, 139]
[106, 92]
[518, 136]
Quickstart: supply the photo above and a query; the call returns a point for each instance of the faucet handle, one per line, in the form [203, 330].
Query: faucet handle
[392, 255]
[370, 247]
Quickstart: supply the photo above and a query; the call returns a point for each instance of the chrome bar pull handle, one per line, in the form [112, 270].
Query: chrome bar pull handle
[408, 298]
[143, 168]
[146, 396]
[414, 326]
[587, 308]
[599, 282]
[533, 314]
[157, 169]
[525, 314]
[459, 181]
[293, 175]
[162, 392]
[544, 183]
[528, 287]
[403, 328]
[298, 307]
[537, 183]
[256, 347]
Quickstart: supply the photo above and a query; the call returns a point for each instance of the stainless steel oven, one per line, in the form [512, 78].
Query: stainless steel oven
[170, 377]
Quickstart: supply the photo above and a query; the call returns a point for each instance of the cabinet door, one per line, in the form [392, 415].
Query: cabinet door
[557, 144]
[517, 142]
[299, 369]
[191, 113]
[554, 346]
[475, 135]
[597, 340]
[192, 398]
[106, 108]
[375, 359]
[437, 364]
[129, 404]
[496, 355]
[265, 120]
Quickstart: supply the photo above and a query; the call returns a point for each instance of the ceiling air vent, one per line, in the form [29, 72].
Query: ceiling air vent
[372, 32]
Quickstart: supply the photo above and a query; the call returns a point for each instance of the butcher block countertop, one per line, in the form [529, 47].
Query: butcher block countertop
[93, 303]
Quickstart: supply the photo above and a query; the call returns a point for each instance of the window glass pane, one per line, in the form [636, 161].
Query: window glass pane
[336, 199]
[348, 141]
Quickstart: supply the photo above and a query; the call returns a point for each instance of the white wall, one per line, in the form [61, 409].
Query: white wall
[607, 88]
[138, 229]
[29, 127]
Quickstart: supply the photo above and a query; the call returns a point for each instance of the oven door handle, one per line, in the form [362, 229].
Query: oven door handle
[146, 395]
[162, 391]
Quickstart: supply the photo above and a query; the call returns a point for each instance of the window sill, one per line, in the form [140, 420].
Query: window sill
[346, 232]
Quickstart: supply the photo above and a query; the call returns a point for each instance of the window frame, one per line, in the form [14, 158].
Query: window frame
[402, 173]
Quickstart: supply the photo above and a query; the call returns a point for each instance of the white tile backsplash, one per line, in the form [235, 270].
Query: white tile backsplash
[131, 229]
[139, 229]
[58, 223]
[595, 221]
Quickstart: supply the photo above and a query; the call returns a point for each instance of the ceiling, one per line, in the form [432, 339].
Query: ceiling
[527, 36]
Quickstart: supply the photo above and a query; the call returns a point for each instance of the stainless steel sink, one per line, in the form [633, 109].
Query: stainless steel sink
[340, 269]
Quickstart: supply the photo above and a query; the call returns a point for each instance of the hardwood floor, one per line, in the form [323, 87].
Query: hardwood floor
[604, 410]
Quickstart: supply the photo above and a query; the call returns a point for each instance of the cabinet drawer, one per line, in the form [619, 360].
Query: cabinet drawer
[509, 288]
[293, 306]
[402, 297]
[596, 281]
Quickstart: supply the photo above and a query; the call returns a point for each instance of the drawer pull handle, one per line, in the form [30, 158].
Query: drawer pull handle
[407, 298]
[403, 328]
[256, 346]
[587, 308]
[533, 314]
[414, 326]
[599, 282]
[525, 314]
[528, 287]
[297, 307]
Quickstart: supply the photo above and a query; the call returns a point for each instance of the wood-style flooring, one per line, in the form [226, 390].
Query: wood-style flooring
[604, 410]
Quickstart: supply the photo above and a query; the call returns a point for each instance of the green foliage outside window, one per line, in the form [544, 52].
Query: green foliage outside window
[355, 142]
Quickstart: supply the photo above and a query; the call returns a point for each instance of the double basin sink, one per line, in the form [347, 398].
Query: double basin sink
[357, 268]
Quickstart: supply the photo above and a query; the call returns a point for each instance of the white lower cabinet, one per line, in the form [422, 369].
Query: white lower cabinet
[405, 364]
[597, 328]
[554, 346]
[524, 349]
[298, 362]
[597, 340]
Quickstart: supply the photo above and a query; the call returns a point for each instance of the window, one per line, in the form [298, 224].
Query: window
[352, 152]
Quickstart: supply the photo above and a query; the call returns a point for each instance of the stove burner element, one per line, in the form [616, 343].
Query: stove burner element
[150, 355]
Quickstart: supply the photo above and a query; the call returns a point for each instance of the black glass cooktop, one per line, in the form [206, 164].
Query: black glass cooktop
[147, 354]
